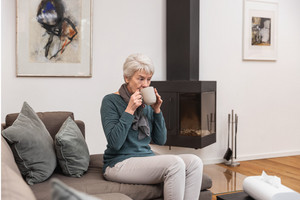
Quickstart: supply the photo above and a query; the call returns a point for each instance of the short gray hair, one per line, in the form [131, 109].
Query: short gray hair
[137, 62]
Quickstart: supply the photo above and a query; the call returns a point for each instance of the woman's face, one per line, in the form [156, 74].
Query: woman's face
[139, 80]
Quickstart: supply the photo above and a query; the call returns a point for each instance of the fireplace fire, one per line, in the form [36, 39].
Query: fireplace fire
[197, 114]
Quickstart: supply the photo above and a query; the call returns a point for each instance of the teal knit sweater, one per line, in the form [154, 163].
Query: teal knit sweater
[122, 140]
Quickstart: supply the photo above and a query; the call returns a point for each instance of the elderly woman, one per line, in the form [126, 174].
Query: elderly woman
[129, 126]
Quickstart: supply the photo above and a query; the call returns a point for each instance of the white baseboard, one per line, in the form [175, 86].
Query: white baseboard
[212, 161]
[253, 157]
[268, 155]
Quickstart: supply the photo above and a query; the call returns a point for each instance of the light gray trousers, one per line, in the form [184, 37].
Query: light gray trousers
[181, 174]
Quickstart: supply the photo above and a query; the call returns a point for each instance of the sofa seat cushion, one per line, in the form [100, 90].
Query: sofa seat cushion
[113, 196]
[61, 191]
[93, 183]
[206, 182]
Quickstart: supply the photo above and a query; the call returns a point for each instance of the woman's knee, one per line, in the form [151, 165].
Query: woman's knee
[192, 161]
[176, 163]
[197, 160]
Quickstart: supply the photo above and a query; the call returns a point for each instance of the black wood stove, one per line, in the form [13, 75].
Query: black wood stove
[189, 105]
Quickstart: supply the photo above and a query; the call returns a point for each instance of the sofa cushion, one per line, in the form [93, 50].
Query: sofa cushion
[71, 149]
[93, 183]
[113, 196]
[31, 145]
[206, 182]
[61, 191]
[13, 187]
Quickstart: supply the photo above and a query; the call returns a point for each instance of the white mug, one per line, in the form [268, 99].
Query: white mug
[149, 96]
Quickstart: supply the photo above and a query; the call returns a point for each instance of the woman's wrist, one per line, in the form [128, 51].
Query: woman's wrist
[157, 111]
[129, 111]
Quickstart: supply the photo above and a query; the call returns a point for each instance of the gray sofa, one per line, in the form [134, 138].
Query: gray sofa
[92, 182]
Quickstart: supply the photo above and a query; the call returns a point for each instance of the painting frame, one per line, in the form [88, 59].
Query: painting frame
[260, 30]
[77, 50]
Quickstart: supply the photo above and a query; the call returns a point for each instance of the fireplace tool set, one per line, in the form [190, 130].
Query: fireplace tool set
[231, 152]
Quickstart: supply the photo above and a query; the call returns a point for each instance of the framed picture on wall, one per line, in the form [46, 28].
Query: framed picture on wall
[54, 38]
[260, 30]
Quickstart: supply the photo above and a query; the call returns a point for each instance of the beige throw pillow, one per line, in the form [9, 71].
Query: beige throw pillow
[13, 187]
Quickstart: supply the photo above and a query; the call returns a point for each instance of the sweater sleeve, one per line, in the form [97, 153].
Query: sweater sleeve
[159, 132]
[115, 127]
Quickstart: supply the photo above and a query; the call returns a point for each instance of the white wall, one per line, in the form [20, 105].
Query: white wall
[265, 95]
[119, 29]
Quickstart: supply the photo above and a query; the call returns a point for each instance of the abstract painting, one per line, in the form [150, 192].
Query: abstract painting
[54, 38]
[260, 30]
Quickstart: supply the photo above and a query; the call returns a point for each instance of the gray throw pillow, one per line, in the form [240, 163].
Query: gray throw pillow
[31, 145]
[61, 191]
[71, 149]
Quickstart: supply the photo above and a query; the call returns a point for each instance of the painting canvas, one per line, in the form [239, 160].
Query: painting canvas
[54, 38]
[260, 30]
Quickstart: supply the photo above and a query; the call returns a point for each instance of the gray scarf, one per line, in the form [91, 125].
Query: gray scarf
[140, 121]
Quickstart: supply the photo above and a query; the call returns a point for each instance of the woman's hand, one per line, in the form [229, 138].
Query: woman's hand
[134, 102]
[157, 105]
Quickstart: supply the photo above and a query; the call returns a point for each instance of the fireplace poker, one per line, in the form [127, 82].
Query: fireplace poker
[236, 125]
[233, 124]
[232, 136]
[207, 119]
[228, 152]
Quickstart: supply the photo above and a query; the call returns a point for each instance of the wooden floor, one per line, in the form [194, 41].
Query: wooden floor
[229, 179]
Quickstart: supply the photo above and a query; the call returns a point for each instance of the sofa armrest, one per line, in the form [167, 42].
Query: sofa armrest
[81, 126]
[3, 126]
